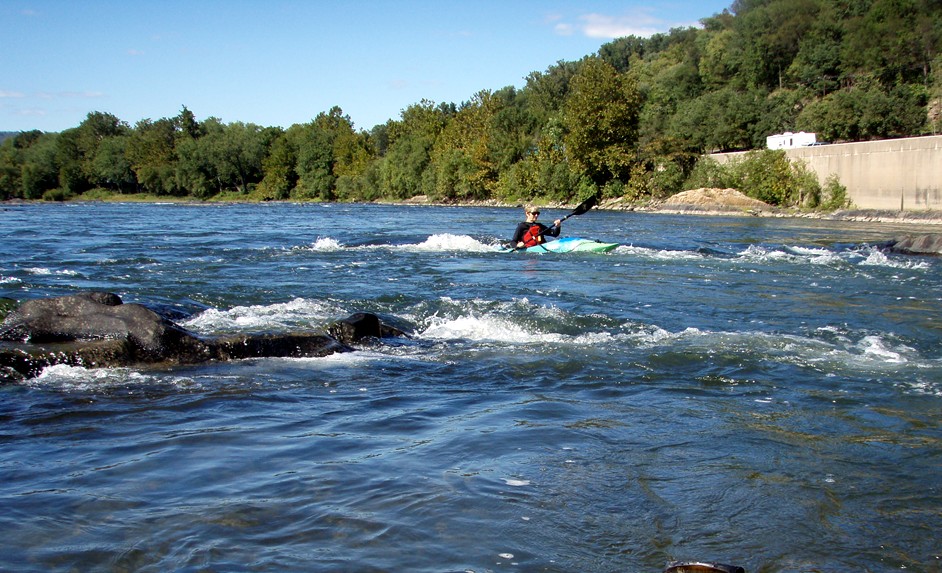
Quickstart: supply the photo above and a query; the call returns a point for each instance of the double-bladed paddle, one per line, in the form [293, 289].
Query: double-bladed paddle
[581, 208]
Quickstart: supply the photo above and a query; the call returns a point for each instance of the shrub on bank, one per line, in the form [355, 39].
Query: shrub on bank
[769, 176]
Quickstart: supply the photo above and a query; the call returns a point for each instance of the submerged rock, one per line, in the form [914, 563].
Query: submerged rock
[97, 329]
[360, 326]
[284, 345]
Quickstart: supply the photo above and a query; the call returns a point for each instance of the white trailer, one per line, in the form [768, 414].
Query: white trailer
[789, 140]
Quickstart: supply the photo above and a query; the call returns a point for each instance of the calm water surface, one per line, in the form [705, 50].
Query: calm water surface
[761, 392]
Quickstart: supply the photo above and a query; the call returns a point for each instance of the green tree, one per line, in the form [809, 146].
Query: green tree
[280, 170]
[601, 120]
[13, 151]
[895, 41]
[547, 91]
[350, 153]
[408, 155]
[513, 130]
[460, 160]
[315, 162]
[817, 66]
[404, 166]
[110, 167]
[719, 120]
[238, 155]
[227, 157]
[9, 170]
[193, 165]
[866, 111]
[717, 66]
[934, 109]
[40, 167]
[151, 150]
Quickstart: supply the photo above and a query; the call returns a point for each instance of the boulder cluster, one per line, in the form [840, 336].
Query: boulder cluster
[96, 329]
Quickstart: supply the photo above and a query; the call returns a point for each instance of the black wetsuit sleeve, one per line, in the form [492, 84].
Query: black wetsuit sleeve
[519, 232]
[551, 231]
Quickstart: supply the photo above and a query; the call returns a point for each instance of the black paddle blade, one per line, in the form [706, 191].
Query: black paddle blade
[585, 205]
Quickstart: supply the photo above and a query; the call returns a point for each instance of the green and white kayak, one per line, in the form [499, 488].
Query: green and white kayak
[570, 245]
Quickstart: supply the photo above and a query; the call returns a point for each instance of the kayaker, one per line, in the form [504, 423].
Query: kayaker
[529, 233]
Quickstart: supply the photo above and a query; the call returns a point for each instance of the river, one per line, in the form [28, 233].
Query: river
[754, 391]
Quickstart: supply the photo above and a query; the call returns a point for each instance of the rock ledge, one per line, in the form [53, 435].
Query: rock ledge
[97, 329]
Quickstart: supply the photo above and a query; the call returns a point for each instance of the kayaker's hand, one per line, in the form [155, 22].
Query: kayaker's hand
[557, 222]
[520, 245]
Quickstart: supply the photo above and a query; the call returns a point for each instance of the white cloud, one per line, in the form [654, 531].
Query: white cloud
[639, 22]
[563, 29]
[7, 94]
[85, 94]
[68, 95]
[604, 26]
[31, 112]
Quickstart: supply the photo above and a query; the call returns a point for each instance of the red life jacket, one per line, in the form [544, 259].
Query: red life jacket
[532, 237]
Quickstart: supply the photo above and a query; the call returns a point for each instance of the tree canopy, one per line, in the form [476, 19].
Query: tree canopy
[630, 120]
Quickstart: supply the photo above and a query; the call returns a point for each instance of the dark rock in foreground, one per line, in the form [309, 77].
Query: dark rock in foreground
[98, 330]
[97, 316]
[928, 244]
[360, 326]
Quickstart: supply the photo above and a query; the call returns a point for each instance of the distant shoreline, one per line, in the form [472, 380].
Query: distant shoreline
[927, 217]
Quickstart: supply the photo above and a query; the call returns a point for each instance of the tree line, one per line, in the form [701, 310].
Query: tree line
[629, 121]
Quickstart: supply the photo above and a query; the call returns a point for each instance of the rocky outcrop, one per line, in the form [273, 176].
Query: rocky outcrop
[98, 316]
[715, 199]
[928, 244]
[98, 330]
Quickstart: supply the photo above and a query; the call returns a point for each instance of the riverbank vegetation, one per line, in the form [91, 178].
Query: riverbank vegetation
[631, 121]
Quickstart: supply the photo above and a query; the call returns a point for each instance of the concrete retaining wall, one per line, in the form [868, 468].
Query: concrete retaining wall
[894, 174]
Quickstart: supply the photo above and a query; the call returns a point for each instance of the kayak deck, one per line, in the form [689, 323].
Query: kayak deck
[570, 245]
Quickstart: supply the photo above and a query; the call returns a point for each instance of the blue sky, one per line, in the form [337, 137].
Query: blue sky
[281, 62]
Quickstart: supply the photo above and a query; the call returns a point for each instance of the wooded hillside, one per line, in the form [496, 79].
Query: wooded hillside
[629, 121]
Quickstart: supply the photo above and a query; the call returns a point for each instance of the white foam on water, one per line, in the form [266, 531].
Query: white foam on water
[841, 353]
[450, 242]
[79, 378]
[658, 254]
[325, 245]
[298, 312]
[811, 251]
[521, 322]
[876, 348]
[358, 358]
[43, 271]
[928, 388]
[516, 482]
[486, 328]
[877, 258]
[793, 254]
[762, 254]
[595, 338]
[816, 255]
